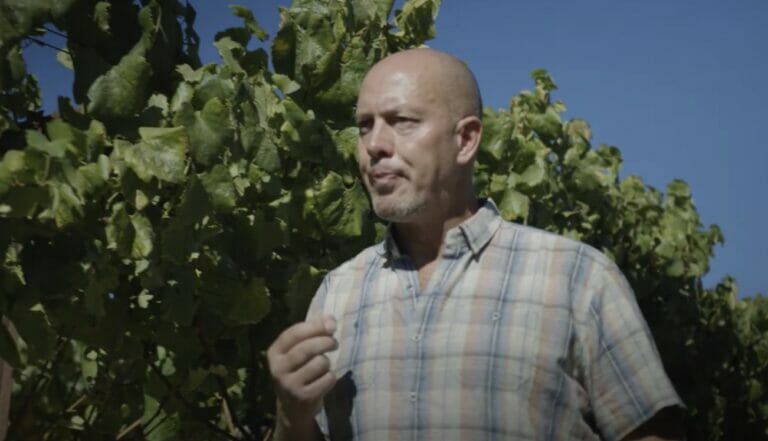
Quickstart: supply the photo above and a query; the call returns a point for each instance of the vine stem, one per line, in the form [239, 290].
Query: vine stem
[188, 405]
[45, 44]
[223, 390]
[129, 429]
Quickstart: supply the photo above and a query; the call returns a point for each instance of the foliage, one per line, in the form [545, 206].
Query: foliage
[159, 232]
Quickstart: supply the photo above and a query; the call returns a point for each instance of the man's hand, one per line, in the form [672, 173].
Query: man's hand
[302, 374]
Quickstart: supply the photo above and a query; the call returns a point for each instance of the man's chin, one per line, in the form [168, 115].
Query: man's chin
[393, 210]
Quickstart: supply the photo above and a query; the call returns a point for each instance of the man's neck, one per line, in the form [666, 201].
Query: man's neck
[423, 240]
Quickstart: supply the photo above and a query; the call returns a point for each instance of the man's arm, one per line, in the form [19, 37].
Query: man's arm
[298, 431]
[666, 425]
[302, 375]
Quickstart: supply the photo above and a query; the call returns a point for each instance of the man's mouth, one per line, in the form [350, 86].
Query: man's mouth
[383, 180]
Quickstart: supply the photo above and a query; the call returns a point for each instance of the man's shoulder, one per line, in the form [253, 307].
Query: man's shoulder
[529, 239]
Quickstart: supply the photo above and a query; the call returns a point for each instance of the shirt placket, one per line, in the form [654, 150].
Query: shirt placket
[419, 321]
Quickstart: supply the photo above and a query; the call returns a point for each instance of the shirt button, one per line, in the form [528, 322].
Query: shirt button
[496, 315]
[413, 396]
[416, 337]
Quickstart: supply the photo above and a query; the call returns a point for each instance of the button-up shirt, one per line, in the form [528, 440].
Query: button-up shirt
[520, 334]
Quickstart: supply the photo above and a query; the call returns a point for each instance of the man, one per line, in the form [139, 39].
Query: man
[461, 325]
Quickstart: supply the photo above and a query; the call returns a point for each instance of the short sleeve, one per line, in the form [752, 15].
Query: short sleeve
[627, 381]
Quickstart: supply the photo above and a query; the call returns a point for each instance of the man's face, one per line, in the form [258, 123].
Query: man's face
[405, 143]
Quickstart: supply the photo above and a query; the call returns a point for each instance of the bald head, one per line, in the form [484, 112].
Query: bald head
[418, 115]
[448, 78]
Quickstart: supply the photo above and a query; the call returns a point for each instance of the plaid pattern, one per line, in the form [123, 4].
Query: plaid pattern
[520, 334]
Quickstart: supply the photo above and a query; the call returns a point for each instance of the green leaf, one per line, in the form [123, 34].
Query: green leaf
[143, 236]
[231, 52]
[497, 132]
[73, 138]
[195, 202]
[20, 17]
[101, 15]
[66, 207]
[213, 86]
[220, 188]
[285, 84]
[534, 174]
[119, 231]
[33, 327]
[547, 124]
[678, 189]
[25, 201]
[210, 131]
[12, 163]
[301, 288]
[182, 97]
[132, 236]
[90, 177]
[65, 59]
[544, 80]
[190, 75]
[578, 131]
[250, 304]
[342, 95]
[284, 47]
[416, 21]
[164, 426]
[14, 69]
[259, 237]
[250, 21]
[676, 268]
[103, 281]
[13, 267]
[346, 142]
[181, 305]
[307, 45]
[38, 141]
[122, 91]
[341, 211]
[161, 154]
[267, 156]
[370, 12]
[514, 205]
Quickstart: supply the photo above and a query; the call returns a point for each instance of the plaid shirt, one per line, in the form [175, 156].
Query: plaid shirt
[520, 334]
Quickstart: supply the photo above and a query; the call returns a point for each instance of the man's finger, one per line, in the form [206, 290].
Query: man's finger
[321, 325]
[306, 350]
[321, 386]
[313, 370]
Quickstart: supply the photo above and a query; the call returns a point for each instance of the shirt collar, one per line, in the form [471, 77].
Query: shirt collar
[474, 233]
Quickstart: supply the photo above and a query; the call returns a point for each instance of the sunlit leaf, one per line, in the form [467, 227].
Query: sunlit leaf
[210, 131]
[160, 154]
[121, 92]
[218, 183]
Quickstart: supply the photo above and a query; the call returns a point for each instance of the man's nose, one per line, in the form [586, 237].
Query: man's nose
[379, 142]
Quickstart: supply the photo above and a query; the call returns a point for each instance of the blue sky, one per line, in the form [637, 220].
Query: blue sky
[679, 86]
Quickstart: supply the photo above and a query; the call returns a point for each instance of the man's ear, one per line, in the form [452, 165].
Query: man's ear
[469, 130]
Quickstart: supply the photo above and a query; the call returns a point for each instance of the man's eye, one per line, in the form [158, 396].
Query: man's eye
[405, 122]
[363, 126]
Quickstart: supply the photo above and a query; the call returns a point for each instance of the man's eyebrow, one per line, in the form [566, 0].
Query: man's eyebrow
[394, 109]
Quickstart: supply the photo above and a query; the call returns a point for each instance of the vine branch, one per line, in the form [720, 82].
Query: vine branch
[46, 44]
[223, 389]
[187, 404]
